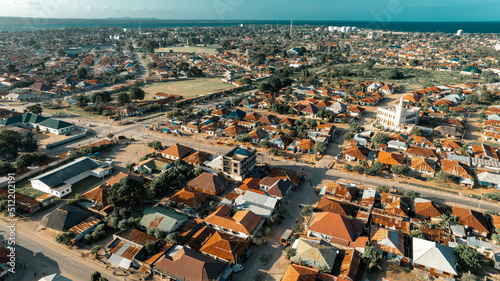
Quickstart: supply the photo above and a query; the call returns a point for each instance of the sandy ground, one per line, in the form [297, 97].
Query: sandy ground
[187, 88]
[189, 49]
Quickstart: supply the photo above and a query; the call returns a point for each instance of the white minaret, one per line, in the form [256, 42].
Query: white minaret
[459, 32]
[291, 26]
[140, 28]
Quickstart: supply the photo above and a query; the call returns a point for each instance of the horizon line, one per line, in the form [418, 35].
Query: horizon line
[247, 20]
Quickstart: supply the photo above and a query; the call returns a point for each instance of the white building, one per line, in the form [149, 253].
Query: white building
[58, 182]
[397, 118]
[459, 32]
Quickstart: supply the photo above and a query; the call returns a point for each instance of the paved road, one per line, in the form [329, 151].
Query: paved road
[42, 254]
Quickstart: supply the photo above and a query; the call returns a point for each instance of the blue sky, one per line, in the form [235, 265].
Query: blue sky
[363, 10]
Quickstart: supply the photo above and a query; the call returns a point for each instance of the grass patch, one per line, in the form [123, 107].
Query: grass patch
[27, 190]
[434, 188]
[187, 88]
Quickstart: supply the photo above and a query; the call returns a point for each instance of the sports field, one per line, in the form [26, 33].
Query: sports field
[189, 49]
[187, 88]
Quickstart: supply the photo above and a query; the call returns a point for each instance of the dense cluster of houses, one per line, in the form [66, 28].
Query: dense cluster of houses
[211, 245]
[346, 219]
[44, 82]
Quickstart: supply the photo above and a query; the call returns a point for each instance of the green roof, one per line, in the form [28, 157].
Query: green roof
[161, 218]
[35, 119]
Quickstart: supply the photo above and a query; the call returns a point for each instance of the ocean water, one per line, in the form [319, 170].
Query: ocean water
[17, 24]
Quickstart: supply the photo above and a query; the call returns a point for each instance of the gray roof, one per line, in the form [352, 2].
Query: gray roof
[64, 217]
[260, 204]
[434, 255]
[161, 218]
[60, 175]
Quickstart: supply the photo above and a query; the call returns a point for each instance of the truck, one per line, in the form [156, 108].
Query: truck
[284, 238]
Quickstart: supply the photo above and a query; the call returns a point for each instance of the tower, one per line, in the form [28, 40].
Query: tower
[140, 28]
[291, 26]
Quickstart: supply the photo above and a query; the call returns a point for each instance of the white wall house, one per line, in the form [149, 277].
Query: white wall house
[58, 182]
[397, 118]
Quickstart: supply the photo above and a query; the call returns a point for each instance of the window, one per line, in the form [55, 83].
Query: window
[235, 170]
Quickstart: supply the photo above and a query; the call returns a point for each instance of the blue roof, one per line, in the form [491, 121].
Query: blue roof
[242, 151]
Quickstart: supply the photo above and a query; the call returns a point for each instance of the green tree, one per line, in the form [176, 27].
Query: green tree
[319, 147]
[6, 168]
[95, 276]
[380, 138]
[468, 277]
[416, 131]
[28, 159]
[100, 97]
[11, 68]
[152, 65]
[130, 165]
[373, 257]
[60, 53]
[297, 228]
[126, 223]
[382, 189]
[289, 252]
[95, 250]
[378, 166]
[29, 145]
[398, 169]
[418, 233]
[81, 73]
[81, 101]
[257, 240]
[150, 248]
[35, 109]
[243, 138]
[172, 238]
[150, 46]
[468, 256]
[446, 220]
[156, 145]
[411, 194]
[123, 98]
[307, 211]
[137, 93]
[65, 237]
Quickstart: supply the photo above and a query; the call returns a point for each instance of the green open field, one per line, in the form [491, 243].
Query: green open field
[189, 49]
[186, 88]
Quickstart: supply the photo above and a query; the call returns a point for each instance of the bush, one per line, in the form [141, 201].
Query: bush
[418, 233]
[289, 252]
[126, 223]
[358, 169]
[411, 194]
[468, 277]
[297, 228]
[307, 211]
[258, 240]
[493, 196]
[172, 238]
[95, 250]
[65, 238]
[382, 188]
[468, 256]
[398, 169]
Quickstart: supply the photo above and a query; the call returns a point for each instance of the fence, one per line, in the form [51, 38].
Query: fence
[54, 144]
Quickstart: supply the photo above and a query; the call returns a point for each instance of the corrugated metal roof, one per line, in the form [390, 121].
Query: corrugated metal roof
[66, 172]
[84, 225]
[161, 218]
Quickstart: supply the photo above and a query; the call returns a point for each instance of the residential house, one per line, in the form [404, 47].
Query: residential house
[85, 227]
[275, 187]
[350, 265]
[427, 209]
[45, 124]
[259, 204]
[208, 183]
[423, 166]
[390, 158]
[389, 241]
[334, 228]
[64, 217]
[177, 151]
[458, 170]
[189, 198]
[295, 272]
[161, 218]
[225, 247]
[327, 204]
[241, 223]
[314, 255]
[127, 248]
[473, 221]
[435, 258]
[181, 263]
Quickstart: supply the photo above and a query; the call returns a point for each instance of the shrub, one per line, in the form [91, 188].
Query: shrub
[65, 238]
